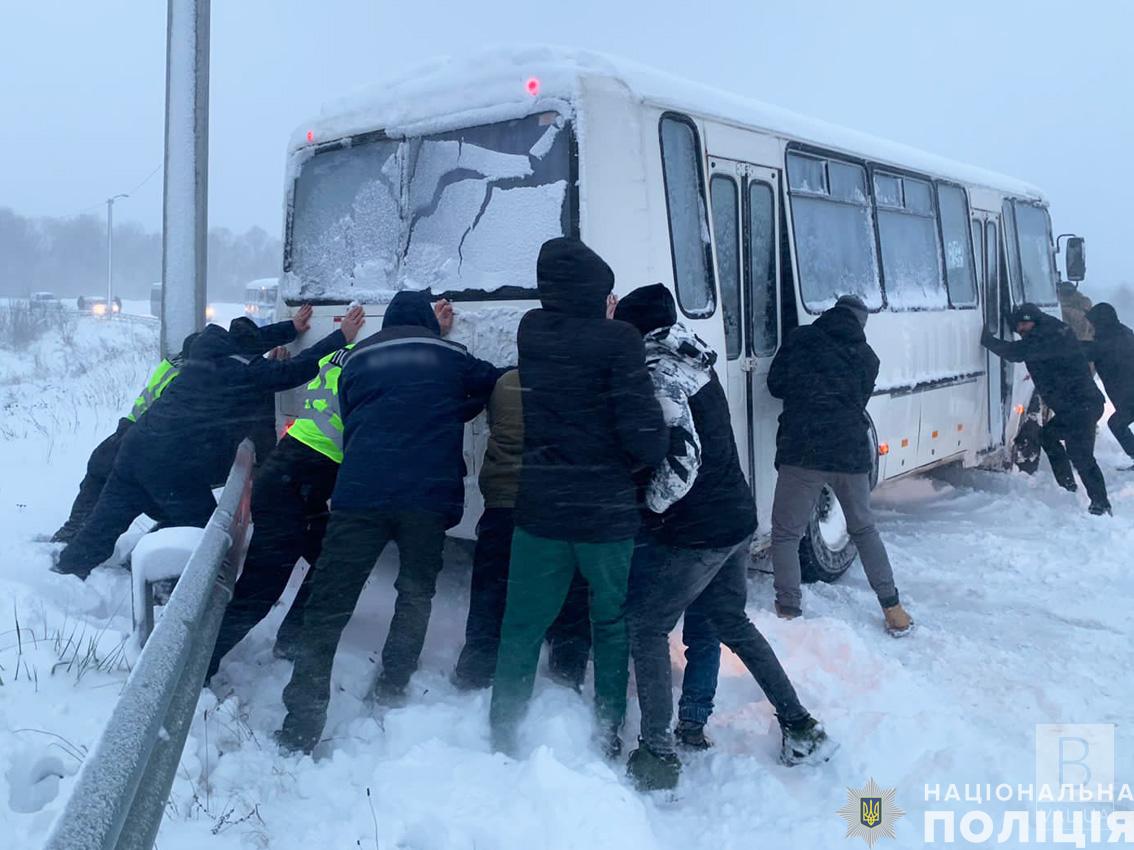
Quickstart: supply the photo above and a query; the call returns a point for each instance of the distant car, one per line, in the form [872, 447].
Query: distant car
[45, 302]
[96, 306]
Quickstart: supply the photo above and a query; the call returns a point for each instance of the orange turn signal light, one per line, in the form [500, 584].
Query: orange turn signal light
[883, 448]
[905, 442]
[934, 435]
[1020, 409]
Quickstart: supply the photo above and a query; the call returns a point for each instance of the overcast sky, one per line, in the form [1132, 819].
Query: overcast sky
[1036, 89]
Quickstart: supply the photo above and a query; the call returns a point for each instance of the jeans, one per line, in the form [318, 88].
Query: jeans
[797, 491]
[1069, 440]
[541, 574]
[352, 545]
[702, 665]
[1119, 424]
[664, 582]
[289, 510]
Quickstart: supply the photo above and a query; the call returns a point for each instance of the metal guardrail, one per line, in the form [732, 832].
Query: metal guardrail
[122, 788]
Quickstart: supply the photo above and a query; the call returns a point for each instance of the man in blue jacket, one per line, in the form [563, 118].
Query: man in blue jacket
[170, 460]
[404, 394]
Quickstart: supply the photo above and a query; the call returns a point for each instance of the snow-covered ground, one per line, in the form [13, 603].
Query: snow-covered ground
[1024, 610]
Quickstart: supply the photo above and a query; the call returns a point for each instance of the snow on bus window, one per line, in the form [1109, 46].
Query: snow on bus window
[346, 219]
[911, 252]
[688, 217]
[834, 236]
[1033, 230]
[465, 210]
[960, 269]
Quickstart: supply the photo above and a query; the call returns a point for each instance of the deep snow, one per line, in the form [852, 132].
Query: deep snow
[1023, 604]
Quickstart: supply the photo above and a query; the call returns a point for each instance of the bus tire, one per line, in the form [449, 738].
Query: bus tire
[826, 551]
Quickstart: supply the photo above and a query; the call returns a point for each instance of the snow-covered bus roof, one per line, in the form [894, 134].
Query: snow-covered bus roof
[492, 85]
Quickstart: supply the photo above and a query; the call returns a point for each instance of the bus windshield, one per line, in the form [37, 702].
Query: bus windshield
[458, 212]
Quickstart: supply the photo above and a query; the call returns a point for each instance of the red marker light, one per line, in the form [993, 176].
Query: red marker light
[310, 135]
[532, 85]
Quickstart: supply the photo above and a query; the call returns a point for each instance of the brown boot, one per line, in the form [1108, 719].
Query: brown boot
[898, 622]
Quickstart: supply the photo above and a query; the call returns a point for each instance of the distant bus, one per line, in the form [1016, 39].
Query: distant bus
[260, 300]
[756, 218]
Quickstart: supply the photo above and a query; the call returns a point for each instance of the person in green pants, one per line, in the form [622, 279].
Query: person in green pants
[590, 421]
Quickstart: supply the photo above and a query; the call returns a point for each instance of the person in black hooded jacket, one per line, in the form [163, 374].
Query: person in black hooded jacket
[1062, 376]
[825, 374]
[590, 419]
[1112, 352]
[404, 397]
[170, 460]
[692, 553]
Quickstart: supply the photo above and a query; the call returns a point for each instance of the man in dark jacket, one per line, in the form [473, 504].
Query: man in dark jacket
[101, 461]
[590, 418]
[289, 512]
[825, 374]
[693, 549]
[1112, 352]
[170, 460]
[405, 394]
[569, 636]
[1062, 376]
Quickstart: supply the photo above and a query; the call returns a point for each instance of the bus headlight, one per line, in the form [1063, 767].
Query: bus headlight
[210, 312]
[99, 309]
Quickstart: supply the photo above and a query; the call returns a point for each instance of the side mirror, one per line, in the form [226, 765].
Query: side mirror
[1075, 259]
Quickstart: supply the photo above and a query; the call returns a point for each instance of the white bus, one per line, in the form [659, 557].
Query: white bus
[450, 178]
[260, 298]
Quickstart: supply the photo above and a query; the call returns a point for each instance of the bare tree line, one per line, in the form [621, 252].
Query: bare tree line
[68, 257]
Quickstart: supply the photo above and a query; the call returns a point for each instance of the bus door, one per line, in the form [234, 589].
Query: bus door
[986, 246]
[745, 205]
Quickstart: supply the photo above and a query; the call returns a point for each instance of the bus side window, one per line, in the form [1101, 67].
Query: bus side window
[1008, 216]
[725, 200]
[688, 218]
[833, 224]
[762, 268]
[960, 271]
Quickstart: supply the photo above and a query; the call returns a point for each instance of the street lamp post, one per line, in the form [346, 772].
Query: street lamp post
[110, 252]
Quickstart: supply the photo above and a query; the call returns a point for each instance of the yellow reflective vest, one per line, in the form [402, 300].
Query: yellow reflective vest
[320, 426]
[159, 379]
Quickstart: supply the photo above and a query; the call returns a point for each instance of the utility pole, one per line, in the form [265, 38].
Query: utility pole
[110, 253]
[185, 211]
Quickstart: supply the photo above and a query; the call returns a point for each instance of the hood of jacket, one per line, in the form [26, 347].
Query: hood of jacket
[1104, 318]
[213, 343]
[573, 279]
[679, 343]
[842, 325]
[246, 337]
[411, 308]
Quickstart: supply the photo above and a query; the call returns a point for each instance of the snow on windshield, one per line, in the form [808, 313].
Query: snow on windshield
[457, 211]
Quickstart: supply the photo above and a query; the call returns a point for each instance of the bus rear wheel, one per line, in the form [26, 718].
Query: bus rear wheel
[826, 551]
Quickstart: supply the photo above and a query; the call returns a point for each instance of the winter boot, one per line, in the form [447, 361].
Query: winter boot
[898, 622]
[652, 771]
[1099, 509]
[1067, 483]
[692, 735]
[787, 612]
[805, 743]
[389, 695]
